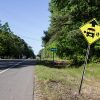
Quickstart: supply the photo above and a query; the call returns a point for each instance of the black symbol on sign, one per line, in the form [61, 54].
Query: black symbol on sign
[90, 32]
[93, 23]
[97, 34]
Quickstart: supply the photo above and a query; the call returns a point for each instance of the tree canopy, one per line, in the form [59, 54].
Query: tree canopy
[12, 46]
[66, 18]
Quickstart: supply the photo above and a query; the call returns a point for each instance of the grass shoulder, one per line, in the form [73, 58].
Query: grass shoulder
[63, 84]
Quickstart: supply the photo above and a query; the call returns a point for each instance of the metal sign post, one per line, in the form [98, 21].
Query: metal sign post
[53, 52]
[91, 32]
[85, 64]
[53, 56]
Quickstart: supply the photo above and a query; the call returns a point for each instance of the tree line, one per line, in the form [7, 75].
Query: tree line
[12, 46]
[64, 34]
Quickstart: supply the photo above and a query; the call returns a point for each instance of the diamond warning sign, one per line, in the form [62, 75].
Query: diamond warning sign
[91, 31]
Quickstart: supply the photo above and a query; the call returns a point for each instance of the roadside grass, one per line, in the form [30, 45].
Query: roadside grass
[63, 84]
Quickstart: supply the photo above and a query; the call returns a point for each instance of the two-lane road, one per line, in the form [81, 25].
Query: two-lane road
[16, 81]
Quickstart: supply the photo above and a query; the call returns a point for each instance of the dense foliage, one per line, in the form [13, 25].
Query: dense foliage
[66, 18]
[12, 46]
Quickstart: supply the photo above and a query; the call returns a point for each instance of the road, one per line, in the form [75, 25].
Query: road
[16, 79]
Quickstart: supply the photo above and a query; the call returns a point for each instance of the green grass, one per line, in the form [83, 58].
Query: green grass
[45, 73]
[93, 70]
[67, 79]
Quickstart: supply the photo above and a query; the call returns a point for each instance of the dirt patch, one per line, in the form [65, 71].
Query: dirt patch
[56, 90]
[91, 89]
[53, 90]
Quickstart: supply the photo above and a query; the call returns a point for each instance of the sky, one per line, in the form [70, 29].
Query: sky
[27, 19]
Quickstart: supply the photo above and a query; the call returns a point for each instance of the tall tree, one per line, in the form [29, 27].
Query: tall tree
[66, 18]
[12, 46]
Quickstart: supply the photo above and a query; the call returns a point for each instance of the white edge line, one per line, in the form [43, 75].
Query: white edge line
[11, 67]
[4, 71]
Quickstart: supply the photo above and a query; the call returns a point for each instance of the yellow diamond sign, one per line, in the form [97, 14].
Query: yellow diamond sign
[91, 31]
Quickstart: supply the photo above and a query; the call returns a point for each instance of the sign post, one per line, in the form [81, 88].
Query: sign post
[53, 57]
[91, 32]
[85, 64]
[53, 51]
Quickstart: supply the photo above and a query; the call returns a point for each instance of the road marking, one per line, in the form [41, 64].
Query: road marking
[4, 71]
[11, 67]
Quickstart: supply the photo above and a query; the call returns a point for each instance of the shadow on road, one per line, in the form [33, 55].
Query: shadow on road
[4, 64]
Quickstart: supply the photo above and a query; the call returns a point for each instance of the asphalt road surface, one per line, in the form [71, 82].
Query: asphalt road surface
[16, 79]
